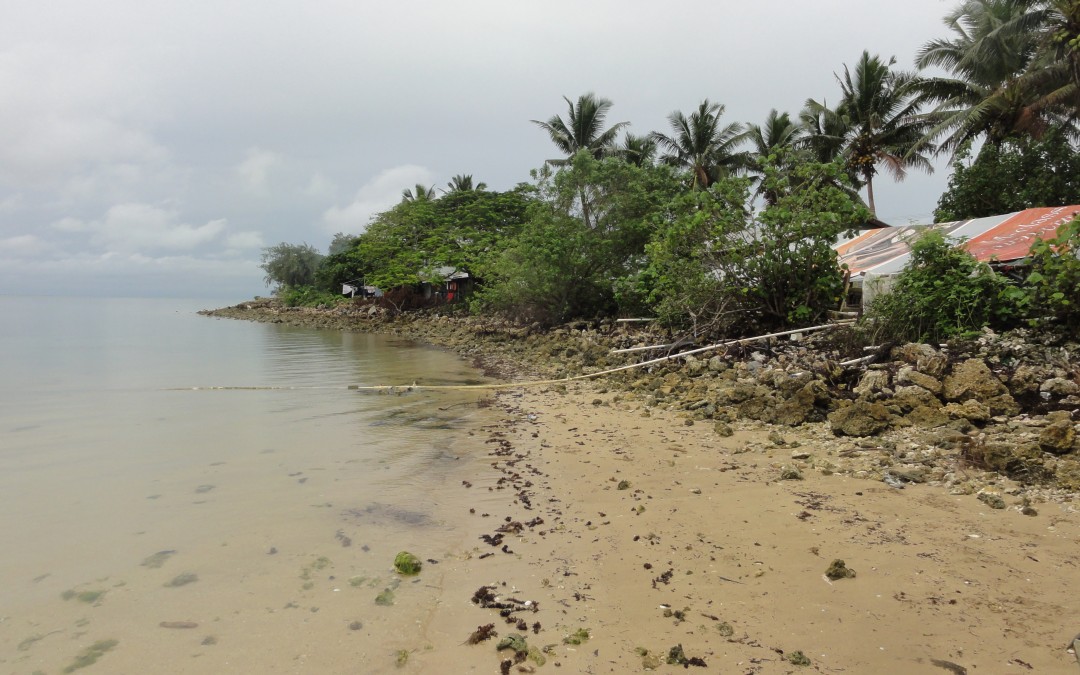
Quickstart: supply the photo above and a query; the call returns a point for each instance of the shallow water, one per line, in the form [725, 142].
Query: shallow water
[286, 505]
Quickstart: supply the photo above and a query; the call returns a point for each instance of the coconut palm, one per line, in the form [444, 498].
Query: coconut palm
[637, 150]
[880, 122]
[420, 193]
[701, 145]
[779, 134]
[986, 94]
[583, 129]
[1055, 68]
[464, 183]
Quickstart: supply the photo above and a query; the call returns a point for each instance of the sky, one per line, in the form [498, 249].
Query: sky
[155, 147]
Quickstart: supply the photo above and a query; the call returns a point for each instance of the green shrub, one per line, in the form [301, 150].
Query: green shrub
[1052, 287]
[943, 293]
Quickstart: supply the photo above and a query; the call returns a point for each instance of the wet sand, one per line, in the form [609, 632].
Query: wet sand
[657, 534]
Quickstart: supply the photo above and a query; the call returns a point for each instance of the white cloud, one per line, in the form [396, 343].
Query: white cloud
[21, 245]
[70, 224]
[254, 171]
[320, 186]
[245, 240]
[143, 227]
[378, 194]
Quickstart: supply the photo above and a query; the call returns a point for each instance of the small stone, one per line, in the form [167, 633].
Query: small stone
[800, 454]
[992, 500]
[839, 570]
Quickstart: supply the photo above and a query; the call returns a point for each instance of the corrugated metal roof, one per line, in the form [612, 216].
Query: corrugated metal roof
[1002, 238]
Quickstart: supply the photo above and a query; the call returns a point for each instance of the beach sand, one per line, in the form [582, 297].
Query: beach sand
[657, 533]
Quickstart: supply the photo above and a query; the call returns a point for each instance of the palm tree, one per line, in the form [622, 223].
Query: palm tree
[420, 193]
[464, 183]
[778, 134]
[701, 146]
[638, 150]
[880, 122]
[583, 129]
[1055, 69]
[986, 94]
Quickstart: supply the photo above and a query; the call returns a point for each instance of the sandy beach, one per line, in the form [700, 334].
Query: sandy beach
[648, 534]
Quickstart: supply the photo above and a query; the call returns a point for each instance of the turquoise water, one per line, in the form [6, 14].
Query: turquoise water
[111, 450]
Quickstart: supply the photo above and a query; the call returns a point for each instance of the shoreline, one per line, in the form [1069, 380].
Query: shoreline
[658, 530]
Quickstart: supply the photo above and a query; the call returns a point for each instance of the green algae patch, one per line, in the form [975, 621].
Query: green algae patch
[182, 580]
[839, 570]
[91, 654]
[578, 637]
[797, 658]
[89, 597]
[402, 658]
[406, 563]
[386, 598]
[512, 641]
[157, 560]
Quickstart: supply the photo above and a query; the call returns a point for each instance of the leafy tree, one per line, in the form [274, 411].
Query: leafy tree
[1018, 174]
[944, 292]
[721, 269]
[881, 124]
[341, 242]
[562, 265]
[290, 265]
[583, 128]
[700, 145]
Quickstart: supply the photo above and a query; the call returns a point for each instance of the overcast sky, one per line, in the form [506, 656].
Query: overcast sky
[154, 147]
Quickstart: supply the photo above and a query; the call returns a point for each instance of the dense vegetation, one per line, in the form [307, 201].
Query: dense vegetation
[722, 227]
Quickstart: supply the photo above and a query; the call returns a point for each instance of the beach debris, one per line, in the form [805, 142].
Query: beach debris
[209, 641]
[839, 570]
[892, 481]
[482, 633]
[505, 666]
[406, 563]
[91, 654]
[178, 624]
[356, 625]
[182, 579]
[158, 559]
[725, 629]
[677, 657]
[797, 658]
[954, 668]
[345, 540]
[624, 485]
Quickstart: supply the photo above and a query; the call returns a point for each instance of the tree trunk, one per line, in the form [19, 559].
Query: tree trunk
[870, 195]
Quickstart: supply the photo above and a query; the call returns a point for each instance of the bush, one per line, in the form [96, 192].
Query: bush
[1053, 286]
[944, 292]
[308, 296]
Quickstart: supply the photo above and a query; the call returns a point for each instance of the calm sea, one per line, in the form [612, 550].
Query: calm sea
[185, 529]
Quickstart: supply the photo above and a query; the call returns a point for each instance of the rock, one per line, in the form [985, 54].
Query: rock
[872, 382]
[1067, 475]
[800, 454]
[925, 358]
[927, 417]
[972, 379]
[992, 500]
[406, 563]
[1058, 438]
[970, 410]
[1004, 404]
[911, 397]
[809, 404]
[790, 473]
[717, 364]
[1059, 386]
[908, 375]
[861, 418]
[1026, 379]
[723, 429]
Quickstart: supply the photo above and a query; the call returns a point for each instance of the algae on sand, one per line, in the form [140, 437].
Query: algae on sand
[182, 580]
[406, 563]
[158, 559]
[91, 654]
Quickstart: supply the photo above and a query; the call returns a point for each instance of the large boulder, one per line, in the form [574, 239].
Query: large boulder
[1058, 437]
[871, 382]
[861, 418]
[908, 375]
[911, 397]
[808, 404]
[972, 379]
